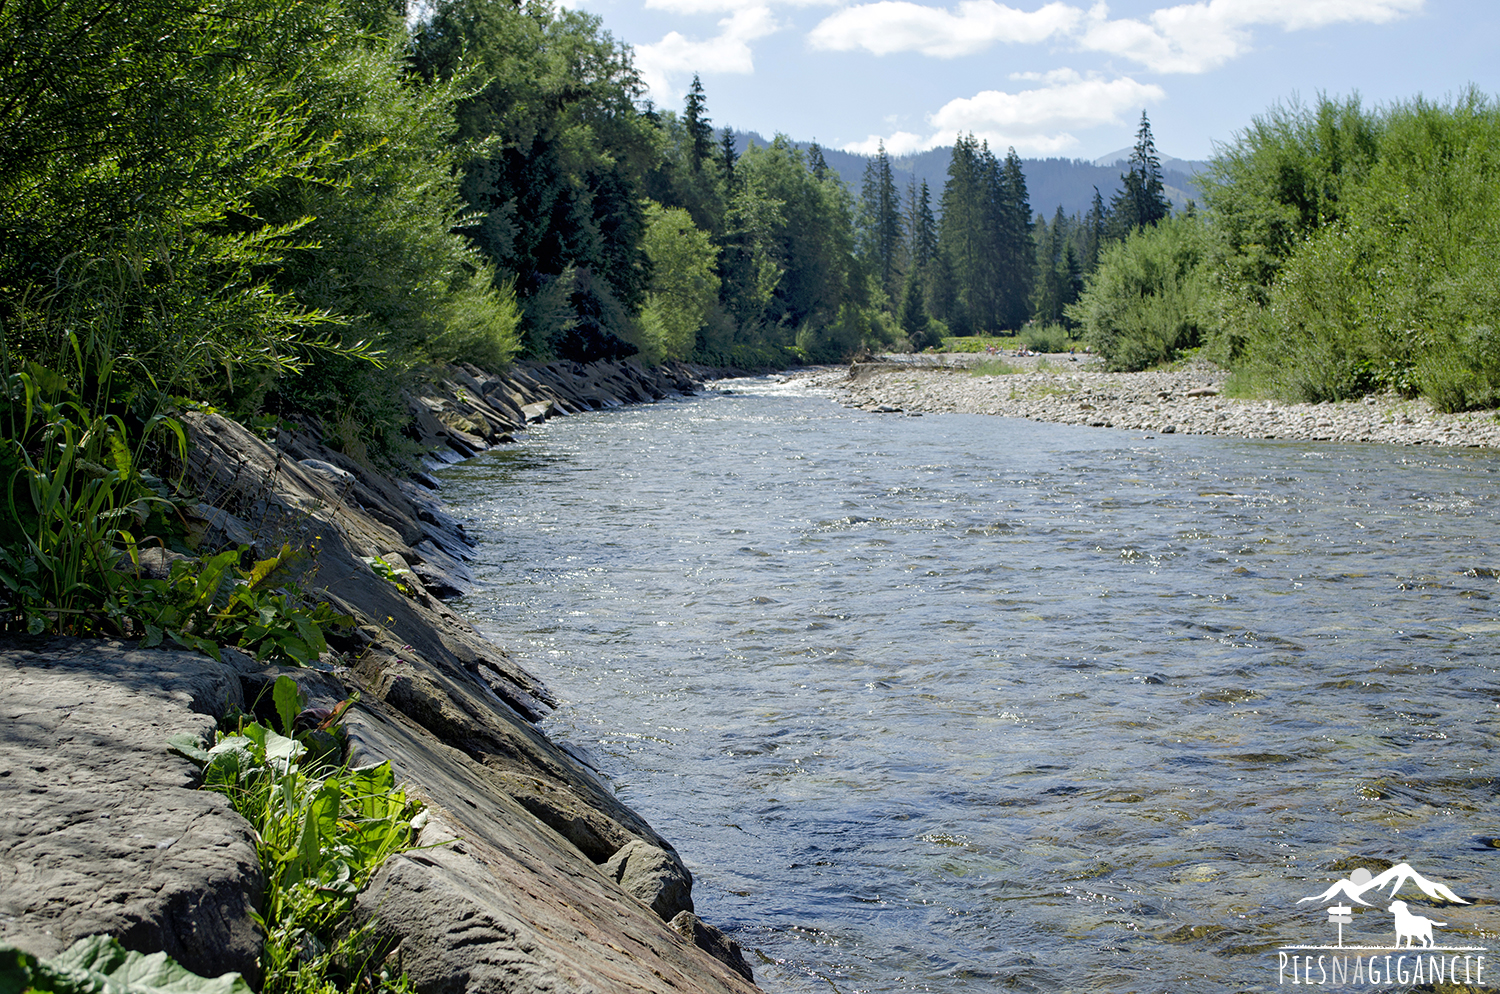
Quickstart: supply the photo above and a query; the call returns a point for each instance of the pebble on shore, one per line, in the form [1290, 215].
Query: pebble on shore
[1072, 390]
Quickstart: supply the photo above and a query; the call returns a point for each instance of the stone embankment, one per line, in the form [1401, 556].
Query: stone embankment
[1072, 390]
[532, 876]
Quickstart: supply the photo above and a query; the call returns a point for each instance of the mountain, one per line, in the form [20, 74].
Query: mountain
[1358, 883]
[1050, 182]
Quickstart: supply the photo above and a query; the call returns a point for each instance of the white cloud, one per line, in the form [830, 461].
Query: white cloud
[723, 6]
[667, 66]
[900, 143]
[1042, 119]
[1190, 37]
[899, 26]
[1038, 121]
[1197, 37]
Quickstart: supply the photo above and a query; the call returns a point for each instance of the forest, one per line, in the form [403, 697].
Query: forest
[283, 207]
[289, 209]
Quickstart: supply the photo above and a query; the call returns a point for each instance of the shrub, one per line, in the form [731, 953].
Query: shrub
[1151, 297]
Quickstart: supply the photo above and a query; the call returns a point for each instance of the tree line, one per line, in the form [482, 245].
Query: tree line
[286, 206]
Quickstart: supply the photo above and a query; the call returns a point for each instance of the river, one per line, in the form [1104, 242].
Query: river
[961, 703]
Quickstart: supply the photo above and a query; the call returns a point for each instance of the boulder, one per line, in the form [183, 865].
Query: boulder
[712, 941]
[101, 829]
[654, 876]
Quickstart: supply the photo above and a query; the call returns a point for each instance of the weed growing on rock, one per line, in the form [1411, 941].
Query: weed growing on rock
[322, 829]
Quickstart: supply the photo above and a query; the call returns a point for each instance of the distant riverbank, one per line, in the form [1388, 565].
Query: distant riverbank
[1072, 390]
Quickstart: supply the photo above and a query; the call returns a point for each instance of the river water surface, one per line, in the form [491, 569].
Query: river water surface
[958, 703]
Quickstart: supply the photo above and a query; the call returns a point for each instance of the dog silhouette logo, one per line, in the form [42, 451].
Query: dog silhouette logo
[1417, 956]
[1412, 927]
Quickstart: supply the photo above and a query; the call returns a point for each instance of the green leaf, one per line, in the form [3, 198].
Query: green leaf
[100, 964]
[188, 744]
[289, 703]
[17, 969]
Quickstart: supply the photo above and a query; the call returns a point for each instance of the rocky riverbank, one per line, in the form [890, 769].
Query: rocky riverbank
[532, 876]
[1072, 390]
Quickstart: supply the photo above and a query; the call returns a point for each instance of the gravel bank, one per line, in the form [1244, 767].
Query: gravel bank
[1071, 390]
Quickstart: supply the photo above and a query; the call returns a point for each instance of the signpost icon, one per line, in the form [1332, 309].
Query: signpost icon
[1341, 916]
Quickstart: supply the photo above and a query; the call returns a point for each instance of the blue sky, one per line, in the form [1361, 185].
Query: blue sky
[1058, 78]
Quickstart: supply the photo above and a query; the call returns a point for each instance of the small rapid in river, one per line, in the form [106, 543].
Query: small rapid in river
[962, 703]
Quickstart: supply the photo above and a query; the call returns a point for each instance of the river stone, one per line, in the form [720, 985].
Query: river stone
[709, 939]
[656, 877]
[101, 829]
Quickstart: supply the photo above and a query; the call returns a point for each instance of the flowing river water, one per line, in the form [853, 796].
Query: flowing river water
[961, 703]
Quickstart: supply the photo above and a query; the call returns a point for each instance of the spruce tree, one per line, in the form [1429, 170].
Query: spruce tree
[881, 219]
[816, 164]
[700, 132]
[727, 156]
[1015, 250]
[1143, 201]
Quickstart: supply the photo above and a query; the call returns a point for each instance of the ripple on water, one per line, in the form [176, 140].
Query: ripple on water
[958, 703]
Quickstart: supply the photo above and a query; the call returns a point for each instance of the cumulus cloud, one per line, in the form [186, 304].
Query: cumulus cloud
[974, 25]
[1038, 121]
[726, 6]
[667, 66]
[900, 143]
[1190, 37]
[1198, 37]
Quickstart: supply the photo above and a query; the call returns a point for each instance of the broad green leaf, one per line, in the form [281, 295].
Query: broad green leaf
[98, 963]
[190, 746]
[289, 703]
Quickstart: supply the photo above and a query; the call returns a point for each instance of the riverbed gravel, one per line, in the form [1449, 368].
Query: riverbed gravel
[1072, 389]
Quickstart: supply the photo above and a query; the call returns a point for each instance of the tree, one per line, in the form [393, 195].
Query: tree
[880, 224]
[700, 132]
[963, 234]
[1014, 250]
[816, 164]
[559, 158]
[727, 156]
[1142, 201]
[684, 285]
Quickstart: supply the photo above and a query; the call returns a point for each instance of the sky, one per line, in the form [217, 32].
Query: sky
[1066, 78]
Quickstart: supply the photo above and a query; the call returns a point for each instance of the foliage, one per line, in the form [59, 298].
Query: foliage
[985, 241]
[684, 286]
[321, 832]
[1151, 297]
[1142, 200]
[98, 963]
[210, 602]
[77, 499]
[1378, 268]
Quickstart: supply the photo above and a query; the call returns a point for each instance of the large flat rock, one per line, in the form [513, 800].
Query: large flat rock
[101, 829]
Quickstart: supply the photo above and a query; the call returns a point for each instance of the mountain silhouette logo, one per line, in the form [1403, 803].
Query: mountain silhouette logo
[1361, 882]
[1410, 949]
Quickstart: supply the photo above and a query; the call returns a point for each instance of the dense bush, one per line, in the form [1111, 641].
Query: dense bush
[1152, 296]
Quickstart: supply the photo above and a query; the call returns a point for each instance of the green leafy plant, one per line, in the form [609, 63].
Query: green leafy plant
[389, 573]
[77, 502]
[194, 608]
[322, 829]
[97, 964]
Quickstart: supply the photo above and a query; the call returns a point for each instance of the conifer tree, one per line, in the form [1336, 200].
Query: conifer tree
[922, 237]
[1143, 200]
[1014, 250]
[727, 155]
[1096, 226]
[880, 217]
[700, 132]
[816, 164]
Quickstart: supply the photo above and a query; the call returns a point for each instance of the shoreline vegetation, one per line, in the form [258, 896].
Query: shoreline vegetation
[255, 257]
[1186, 398]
